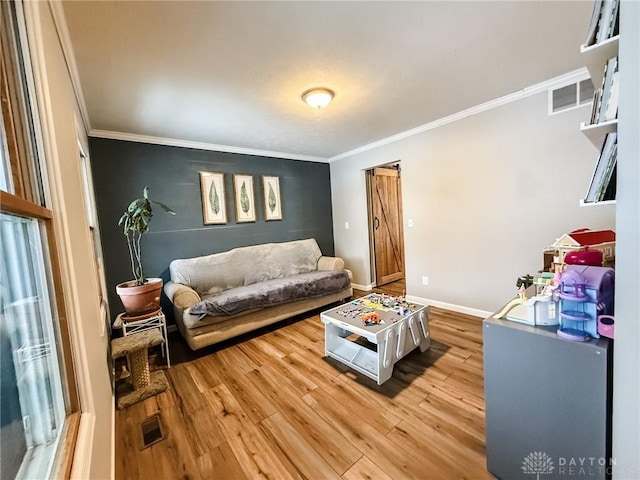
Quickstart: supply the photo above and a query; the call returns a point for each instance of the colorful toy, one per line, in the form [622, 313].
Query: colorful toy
[519, 300]
[539, 309]
[606, 326]
[371, 318]
[603, 240]
[586, 293]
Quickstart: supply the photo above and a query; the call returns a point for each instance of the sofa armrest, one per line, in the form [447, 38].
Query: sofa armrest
[181, 295]
[330, 263]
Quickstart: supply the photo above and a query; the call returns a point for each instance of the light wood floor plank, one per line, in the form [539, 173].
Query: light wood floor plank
[220, 463]
[365, 469]
[254, 454]
[177, 448]
[348, 399]
[296, 380]
[401, 464]
[295, 448]
[199, 423]
[322, 372]
[256, 405]
[235, 359]
[205, 373]
[270, 405]
[336, 450]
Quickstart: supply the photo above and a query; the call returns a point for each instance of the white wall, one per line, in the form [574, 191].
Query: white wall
[487, 193]
[626, 378]
[61, 119]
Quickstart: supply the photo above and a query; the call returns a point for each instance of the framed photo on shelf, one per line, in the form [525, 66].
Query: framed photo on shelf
[214, 205]
[272, 201]
[245, 201]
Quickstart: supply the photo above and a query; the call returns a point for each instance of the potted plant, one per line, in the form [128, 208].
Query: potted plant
[140, 295]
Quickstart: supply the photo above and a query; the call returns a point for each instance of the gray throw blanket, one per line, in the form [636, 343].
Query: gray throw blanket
[272, 292]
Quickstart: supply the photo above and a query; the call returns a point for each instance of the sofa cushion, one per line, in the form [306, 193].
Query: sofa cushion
[272, 292]
[245, 265]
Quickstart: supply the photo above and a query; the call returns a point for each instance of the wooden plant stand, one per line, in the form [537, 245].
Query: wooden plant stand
[145, 383]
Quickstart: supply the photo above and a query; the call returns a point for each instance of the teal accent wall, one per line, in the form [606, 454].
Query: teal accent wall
[121, 169]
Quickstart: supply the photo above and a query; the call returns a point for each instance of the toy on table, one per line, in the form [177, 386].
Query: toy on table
[371, 318]
[350, 312]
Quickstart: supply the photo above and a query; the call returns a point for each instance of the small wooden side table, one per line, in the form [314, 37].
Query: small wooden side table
[154, 320]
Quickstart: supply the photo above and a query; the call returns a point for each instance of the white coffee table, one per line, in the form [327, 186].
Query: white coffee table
[404, 327]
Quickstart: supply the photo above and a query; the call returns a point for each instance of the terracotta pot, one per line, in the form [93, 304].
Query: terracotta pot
[140, 299]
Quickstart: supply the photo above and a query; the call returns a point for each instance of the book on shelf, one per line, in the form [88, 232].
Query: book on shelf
[593, 24]
[615, 21]
[595, 106]
[605, 99]
[611, 69]
[604, 22]
[610, 192]
[604, 173]
[611, 110]
[609, 177]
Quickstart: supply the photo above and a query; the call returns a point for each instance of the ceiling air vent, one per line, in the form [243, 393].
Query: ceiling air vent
[570, 96]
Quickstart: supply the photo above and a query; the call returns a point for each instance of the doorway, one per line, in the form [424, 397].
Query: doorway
[385, 223]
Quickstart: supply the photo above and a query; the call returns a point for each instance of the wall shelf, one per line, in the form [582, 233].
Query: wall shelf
[596, 56]
[597, 204]
[596, 132]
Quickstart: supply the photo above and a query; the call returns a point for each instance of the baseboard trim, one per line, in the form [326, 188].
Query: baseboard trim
[365, 288]
[450, 306]
[436, 303]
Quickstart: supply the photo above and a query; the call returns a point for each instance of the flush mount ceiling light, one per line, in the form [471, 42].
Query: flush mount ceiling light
[318, 97]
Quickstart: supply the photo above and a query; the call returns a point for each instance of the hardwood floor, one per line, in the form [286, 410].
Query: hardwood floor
[270, 406]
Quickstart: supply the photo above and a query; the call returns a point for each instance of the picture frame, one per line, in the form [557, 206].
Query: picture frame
[272, 199]
[245, 200]
[214, 204]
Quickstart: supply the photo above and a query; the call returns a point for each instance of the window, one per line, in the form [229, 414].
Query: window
[31, 376]
[39, 400]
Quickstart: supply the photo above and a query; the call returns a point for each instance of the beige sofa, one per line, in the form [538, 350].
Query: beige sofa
[219, 296]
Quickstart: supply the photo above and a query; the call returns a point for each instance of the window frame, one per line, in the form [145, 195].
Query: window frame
[25, 160]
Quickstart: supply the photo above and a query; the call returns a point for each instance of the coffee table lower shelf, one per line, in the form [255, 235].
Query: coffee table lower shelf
[357, 357]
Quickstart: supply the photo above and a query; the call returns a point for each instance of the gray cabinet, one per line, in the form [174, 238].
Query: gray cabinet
[548, 403]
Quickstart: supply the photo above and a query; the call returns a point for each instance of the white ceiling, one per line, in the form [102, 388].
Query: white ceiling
[231, 73]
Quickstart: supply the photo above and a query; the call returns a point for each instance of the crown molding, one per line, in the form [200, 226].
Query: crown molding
[62, 30]
[562, 80]
[172, 142]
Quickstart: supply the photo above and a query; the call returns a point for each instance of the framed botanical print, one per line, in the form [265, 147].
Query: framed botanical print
[245, 201]
[214, 205]
[272, 201]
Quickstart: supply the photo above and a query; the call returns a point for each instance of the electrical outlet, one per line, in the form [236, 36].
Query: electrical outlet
[425, 280]
[346, 225]
[410, 222]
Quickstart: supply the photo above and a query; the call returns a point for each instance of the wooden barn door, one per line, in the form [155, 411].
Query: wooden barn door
[386, 218]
